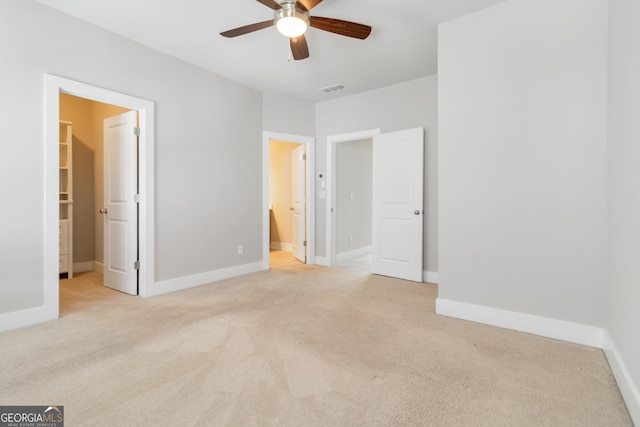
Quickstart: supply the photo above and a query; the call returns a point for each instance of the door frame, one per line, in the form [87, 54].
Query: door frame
[267, 137]
[332, 142]
[54, 85]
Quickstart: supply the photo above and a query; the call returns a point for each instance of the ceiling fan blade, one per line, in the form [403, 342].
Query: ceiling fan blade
[308, 4]
[299, 47]
[247, 29]
[338, 26]
[273, 4]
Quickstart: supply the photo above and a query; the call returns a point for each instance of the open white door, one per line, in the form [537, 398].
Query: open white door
[120, 207]
[398, 179]
[299, 202]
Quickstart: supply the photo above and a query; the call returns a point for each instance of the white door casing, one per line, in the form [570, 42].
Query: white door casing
[298, 202]
[398, 211]
[53, 86]
[120, 207]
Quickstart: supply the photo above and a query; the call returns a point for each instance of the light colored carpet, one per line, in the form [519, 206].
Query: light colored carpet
[297, 346]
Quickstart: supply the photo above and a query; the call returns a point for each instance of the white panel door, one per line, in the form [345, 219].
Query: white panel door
[120, 207]
[299, 202]
[398, 179]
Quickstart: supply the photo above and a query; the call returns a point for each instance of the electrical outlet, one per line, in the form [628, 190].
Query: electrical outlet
[240, 250]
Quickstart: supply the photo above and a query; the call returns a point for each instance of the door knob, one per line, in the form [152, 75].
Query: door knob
[103, 211]
[291, 209]
[416, 212]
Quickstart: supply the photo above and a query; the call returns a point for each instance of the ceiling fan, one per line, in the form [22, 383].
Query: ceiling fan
[292, 19]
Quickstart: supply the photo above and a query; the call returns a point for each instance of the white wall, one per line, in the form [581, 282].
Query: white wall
[406, 105]
[522, 162]
[208, 147]
[623, 286]
[286, 115]
[522, 159]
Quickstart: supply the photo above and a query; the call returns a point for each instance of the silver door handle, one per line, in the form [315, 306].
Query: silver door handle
[103, 211]
[416, 212]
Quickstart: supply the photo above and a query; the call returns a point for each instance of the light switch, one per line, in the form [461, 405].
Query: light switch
[322, 194]
[352, 196]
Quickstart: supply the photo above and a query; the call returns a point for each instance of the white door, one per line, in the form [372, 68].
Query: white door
[120, 207]
[398, 179]
[299, 202]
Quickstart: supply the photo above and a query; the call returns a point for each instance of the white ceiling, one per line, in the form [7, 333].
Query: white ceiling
[402, 45]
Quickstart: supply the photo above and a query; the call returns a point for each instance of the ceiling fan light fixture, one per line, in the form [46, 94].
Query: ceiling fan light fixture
[291, 21]
[291, 27]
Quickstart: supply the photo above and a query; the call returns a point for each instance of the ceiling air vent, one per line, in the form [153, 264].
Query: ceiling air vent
[333, 88]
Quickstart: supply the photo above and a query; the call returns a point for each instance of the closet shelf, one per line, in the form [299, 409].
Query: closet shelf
[65, 260]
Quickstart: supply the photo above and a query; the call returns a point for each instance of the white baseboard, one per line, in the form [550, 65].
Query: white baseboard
[345, 256]
[82, 267]
[626, 385]
[281, 246]
[543, 326]
[186, 282]
[322, 260]
[430, 277]
[28, 317]
[98, 267]
[556, 329]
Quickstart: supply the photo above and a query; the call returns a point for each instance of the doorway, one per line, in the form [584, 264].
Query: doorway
[397, 199]
[287, 213]
[54, 86]
[333, 246]
[353, 200]
[286, 143]
[87, 121]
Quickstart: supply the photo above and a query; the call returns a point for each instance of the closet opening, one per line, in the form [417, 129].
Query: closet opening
[77, 178]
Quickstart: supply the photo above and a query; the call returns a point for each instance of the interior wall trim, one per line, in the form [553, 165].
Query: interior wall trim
[543, 326]
[430, 277]
[194, 280]
[323, 260]
[628, 388]
[22, 318]
[83, 267]
[345, 256]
